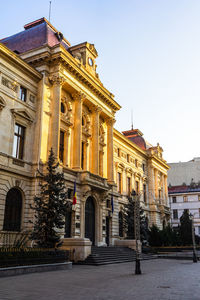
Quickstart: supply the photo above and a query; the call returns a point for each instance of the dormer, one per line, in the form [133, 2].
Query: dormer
[86, 54]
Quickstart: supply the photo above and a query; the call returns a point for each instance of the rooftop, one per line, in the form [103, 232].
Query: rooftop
[35, 35]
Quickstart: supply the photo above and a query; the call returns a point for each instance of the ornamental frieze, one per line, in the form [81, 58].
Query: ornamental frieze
[9, 84]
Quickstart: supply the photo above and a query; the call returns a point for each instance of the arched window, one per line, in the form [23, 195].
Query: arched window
[13, 210]
[62, 108]
[120, 224]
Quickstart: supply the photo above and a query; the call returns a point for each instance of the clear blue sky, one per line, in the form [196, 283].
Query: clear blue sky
[149, 57]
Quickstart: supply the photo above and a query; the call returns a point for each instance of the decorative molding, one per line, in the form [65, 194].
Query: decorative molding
[9, 84]
[110, 121]
[57, 79]
[2, 103]
[78, 96]
[22, 115]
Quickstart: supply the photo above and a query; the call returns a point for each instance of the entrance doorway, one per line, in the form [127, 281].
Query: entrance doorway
[107, 231]
[90, 220]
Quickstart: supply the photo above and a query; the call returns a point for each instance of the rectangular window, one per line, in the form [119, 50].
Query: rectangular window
[136, 163]
[18, 146]
[118, 152]
[61, 150]
[137, 187]
[22, 93]
[70, 193]
[128, 186]
[82, 155]
[174, 199]
[175, 214]
[159, 194]
[185, 198]
[199, 197]
[145, 193]
[128, 157]
[119, 182]
[143, 167]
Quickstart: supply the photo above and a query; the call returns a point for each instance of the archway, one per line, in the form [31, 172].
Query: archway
[90, 220]
[13, 210]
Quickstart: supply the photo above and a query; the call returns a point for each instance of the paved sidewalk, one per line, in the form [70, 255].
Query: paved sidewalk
[161, 279]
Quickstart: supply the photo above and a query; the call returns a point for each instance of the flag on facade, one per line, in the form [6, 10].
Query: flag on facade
[112, 204]
[74, 194]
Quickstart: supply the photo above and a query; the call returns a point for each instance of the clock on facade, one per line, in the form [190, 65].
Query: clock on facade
[90, 61]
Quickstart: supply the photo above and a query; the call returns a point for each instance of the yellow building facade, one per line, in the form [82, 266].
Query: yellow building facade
[51, 96]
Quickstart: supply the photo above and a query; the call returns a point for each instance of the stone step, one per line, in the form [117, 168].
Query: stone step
[112, 255]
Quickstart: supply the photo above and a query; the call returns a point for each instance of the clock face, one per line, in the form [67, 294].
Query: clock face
[90, 61]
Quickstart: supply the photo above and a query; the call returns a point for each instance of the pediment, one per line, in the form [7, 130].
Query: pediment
[22, 114]
[121, 165]
[2, 103]
[129, 170]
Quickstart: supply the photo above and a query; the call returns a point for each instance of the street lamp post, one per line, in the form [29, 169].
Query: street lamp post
[193, 239]
[137, 231]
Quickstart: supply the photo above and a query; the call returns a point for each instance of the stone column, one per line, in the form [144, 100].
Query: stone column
[110, 174]
[78, 97]
[156, 183]
[163, 189]
[82, 219]
[151, 189]
[57, 82]
[66, 147]
[95, 140]
[166, 189]
[100, 241]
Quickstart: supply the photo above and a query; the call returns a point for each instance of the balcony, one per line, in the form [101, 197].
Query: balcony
[95, 181]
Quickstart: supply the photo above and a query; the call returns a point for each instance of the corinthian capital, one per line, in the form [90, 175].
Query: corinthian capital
[57, 79]
[110, 121]
[78, 96]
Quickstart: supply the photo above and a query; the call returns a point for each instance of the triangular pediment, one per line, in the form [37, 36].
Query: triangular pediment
[22, 113]
[2, 103]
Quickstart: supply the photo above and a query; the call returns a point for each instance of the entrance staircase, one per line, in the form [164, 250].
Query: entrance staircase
[113, 255]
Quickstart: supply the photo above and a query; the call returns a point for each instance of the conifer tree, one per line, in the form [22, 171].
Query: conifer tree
[185, 229]
[128, 220]
[50, 206]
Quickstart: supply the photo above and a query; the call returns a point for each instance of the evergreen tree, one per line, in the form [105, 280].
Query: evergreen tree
[50, 206]
[155, 237]
[185, 229]
[128, 220]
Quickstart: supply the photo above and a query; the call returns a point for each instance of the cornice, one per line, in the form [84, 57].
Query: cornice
[158, 160]
[16, 60]
[78, 70]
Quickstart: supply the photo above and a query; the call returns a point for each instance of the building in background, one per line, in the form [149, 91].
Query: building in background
[184, 191]
[51, 96]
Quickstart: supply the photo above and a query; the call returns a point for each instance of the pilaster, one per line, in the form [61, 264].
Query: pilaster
[57, 82]
[95, 140]
[110, 124]
[78, 99]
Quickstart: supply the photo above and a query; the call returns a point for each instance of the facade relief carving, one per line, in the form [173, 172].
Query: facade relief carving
[66, 111]
[9, 84]
[2, 103]
[79, 96]
[57, 79]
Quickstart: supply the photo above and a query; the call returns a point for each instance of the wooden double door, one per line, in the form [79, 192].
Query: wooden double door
[90, 219]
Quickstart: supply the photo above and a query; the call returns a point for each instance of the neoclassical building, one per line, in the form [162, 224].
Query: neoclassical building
[51, 96]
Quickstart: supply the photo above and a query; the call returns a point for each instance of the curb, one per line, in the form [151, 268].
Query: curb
[20, 270]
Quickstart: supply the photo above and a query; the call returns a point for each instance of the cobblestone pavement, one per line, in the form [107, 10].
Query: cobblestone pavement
[161, 279]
